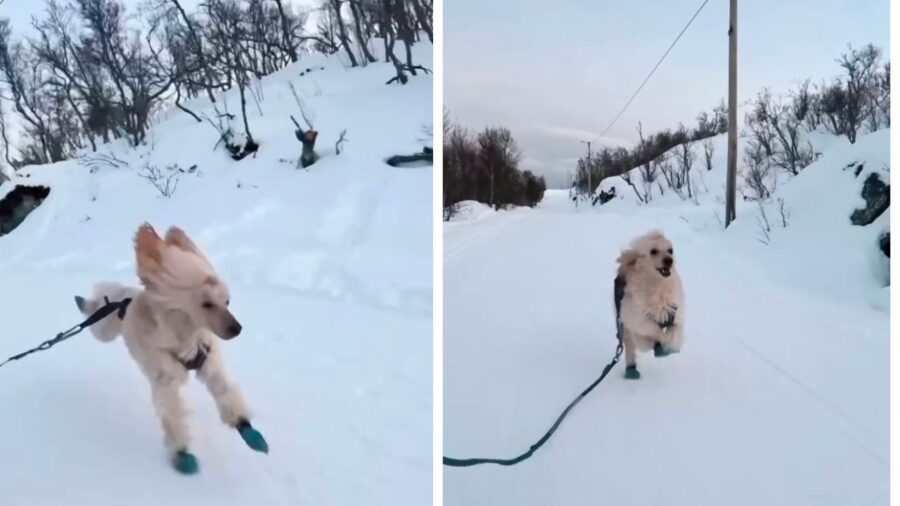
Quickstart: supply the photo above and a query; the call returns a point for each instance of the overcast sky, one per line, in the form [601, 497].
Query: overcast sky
[557, 72]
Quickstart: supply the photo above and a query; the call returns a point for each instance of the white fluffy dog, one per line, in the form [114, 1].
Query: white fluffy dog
[171, 327]
[652, 308]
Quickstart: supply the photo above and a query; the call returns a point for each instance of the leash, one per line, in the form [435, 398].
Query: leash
[618, 293]
[99, 314]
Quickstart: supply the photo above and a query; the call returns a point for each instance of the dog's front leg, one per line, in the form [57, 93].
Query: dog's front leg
[229, 400]
[631, 371]
[173, 417]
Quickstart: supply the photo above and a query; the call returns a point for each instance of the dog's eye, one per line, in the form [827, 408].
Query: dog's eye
[227, 302]
[207, 305]
[654, 252]
[670, 251]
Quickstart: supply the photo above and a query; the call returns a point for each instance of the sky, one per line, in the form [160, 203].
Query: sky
[557, 72]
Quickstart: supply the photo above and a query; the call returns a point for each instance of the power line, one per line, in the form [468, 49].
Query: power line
[658, 63]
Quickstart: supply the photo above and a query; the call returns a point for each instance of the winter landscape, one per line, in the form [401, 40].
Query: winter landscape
[329, 262]
[781, 392]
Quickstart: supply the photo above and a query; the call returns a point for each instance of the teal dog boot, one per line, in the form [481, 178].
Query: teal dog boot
[252, 437]
[662, 351]
[632, 373]
[185, 463]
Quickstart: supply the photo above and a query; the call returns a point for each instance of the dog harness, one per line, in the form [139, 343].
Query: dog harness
[196, 363]
[191, 365]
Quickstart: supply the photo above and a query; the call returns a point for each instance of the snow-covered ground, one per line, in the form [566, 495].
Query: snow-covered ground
[330, 275]
[780, 396]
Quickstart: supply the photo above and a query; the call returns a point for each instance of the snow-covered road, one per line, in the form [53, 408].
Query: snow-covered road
[779, 396]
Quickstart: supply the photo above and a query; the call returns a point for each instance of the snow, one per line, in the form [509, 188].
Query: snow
[780, 396]
[471, 210]
[330, 275]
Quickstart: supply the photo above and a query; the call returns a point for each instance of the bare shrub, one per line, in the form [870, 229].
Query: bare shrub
[164, 180]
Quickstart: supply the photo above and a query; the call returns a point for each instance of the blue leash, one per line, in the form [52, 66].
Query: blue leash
[618, 293]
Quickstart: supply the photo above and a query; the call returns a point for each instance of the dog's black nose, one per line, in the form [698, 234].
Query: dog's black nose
[667, 261]
[235, 329]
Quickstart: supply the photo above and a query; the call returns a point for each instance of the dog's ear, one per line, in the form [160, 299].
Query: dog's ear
[627, 259]
[148, 252]
[178, 238]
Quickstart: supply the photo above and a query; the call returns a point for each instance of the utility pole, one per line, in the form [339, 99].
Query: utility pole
[730, 187]
[588, 167]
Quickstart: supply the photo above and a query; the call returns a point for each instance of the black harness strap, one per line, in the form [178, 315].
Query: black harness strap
[101, 313]
[199, 359]
[618, 293]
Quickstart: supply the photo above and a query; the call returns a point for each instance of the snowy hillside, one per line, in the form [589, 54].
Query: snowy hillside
[330, 274]
[817, 207]
[780, 395]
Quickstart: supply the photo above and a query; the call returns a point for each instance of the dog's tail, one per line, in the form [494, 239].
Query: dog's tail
[108, 328]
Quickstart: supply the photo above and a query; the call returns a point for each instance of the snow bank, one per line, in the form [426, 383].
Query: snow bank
[819, 249]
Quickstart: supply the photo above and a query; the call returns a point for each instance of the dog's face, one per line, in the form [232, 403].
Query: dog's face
[208, 303]
[652, 253]
[178, 275]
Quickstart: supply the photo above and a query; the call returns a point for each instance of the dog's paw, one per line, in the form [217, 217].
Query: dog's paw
[185, 463]
[632, 373]
[252, 437]
[660, 350]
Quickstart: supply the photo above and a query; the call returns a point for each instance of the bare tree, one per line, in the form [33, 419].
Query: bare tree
[708, 151]
[4, 137]
[860, 67]
[286, 31]
[685, 157]
[226, 30]
[360, 29]
[758, 174]
[343, 38]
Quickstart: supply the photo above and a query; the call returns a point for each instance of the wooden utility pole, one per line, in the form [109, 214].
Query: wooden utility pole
[587, 166]
[730, 185]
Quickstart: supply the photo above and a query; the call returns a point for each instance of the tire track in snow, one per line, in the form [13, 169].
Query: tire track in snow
[485, 231]
[818, 398]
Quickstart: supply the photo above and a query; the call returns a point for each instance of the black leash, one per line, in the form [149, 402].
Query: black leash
[618, 293]
[103, 312]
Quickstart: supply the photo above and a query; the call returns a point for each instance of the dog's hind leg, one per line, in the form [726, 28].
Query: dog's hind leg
[229, 400]
[173, 417]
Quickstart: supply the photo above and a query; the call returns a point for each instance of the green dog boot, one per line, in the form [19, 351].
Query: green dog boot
[185, 463]
[632, 373]
[661, 351]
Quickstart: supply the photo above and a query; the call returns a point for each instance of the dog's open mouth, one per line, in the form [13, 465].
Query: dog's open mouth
[665, 271]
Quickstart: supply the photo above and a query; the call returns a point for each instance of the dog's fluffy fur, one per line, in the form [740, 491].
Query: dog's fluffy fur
[183, 304]
[652, 292]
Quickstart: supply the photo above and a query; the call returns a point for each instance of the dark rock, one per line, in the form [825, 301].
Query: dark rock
[878, 199]
[604, 197]
[18, 204]
[884, 243]
[427, 156]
